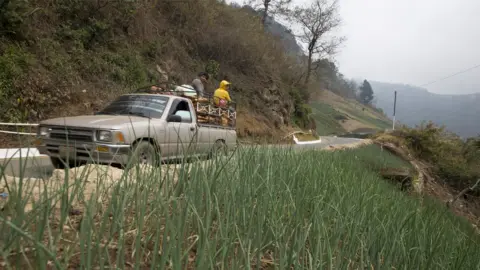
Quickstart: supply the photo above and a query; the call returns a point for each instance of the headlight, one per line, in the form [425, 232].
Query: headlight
[110, 136]
[104, 136]
[42, 131]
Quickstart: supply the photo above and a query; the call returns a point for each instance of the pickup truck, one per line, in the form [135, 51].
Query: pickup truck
[139, 128]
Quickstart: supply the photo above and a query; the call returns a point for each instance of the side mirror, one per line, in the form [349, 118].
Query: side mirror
[174, 118]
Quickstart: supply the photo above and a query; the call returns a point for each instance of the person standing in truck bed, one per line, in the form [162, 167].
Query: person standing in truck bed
[199, 83]
[221, 95]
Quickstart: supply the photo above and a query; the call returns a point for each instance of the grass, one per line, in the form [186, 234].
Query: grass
[259, 208]
[326, 119]
[364, 117]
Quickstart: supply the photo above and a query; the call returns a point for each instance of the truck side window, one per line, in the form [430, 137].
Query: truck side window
[182, 109]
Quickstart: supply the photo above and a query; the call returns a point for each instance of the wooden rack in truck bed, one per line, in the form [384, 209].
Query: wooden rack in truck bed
[208, 114]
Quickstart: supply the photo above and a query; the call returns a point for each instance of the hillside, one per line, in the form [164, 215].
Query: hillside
[281, 32]
[459, 113]
[334, 114]
[73, 57]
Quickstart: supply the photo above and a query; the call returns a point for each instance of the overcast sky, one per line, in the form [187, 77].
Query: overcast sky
[411, 41]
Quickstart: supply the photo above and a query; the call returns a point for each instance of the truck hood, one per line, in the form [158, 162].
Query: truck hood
[95, 121]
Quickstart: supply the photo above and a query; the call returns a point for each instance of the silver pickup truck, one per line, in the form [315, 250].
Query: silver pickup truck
[143, 128]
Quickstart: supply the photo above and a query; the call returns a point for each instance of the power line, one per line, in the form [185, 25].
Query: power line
[452, 75]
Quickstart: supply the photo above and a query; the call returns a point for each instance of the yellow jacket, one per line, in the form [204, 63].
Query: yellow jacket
[222, 93]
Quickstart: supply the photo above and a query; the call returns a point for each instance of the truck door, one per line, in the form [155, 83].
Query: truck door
[181, 137]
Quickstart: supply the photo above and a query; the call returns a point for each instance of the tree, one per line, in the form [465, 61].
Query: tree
[331, 79]
[366, 93]
[271, 7]
[317, 21]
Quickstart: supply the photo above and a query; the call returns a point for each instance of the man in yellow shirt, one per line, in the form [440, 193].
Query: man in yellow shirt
[221, 95]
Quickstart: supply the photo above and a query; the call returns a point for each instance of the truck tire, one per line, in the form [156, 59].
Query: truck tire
[219, 148]
[145, 152]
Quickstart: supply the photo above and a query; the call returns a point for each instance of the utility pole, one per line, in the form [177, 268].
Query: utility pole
[394, 108]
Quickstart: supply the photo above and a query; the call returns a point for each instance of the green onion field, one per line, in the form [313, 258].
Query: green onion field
[256, 209]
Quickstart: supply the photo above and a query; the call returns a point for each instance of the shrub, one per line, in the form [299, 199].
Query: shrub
[13, 16]
[212, 68]
[448, 153]
[14, 63]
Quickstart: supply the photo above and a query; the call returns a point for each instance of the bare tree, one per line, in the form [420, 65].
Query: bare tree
[317, 21]
[271, 7]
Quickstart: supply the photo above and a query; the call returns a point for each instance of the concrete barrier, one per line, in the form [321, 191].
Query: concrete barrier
[25, 162]
[7, 153]
[306, 142]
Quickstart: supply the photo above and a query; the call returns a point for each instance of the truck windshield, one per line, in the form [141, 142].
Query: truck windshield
[139, 105]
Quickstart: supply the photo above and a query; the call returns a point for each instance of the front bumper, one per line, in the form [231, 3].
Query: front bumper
[87, 152]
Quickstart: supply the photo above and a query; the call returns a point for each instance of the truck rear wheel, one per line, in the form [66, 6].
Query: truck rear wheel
[145, 153]
[219, 149]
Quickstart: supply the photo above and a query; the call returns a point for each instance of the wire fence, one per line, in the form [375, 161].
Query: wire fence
[20, 128]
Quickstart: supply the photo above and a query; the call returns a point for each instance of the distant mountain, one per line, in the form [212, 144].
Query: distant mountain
[459, 113]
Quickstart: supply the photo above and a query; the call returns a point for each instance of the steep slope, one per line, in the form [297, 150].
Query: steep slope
[337, 115]
[459, 113]
[68, 58]
[74, 57]
[278, 30]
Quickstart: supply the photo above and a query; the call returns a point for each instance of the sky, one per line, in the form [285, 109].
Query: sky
[411, 41]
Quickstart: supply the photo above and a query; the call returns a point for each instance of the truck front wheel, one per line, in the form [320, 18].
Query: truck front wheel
[145, 153]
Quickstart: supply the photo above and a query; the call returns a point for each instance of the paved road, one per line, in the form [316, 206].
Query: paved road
[40, 166]
[326, 142]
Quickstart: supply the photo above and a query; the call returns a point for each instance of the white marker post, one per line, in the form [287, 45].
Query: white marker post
[394, 109]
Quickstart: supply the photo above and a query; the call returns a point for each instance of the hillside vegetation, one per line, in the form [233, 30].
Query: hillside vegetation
[449, 160]
[70, 57]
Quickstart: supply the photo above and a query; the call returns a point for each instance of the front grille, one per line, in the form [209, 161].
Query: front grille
[71, 135]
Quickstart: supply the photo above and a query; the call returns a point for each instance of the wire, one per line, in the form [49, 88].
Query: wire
[452, 75]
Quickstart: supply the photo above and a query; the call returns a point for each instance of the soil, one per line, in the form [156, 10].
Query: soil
[98, 180]
[15, 141]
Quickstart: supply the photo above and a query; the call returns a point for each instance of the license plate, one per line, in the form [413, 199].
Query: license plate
[65, 151]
